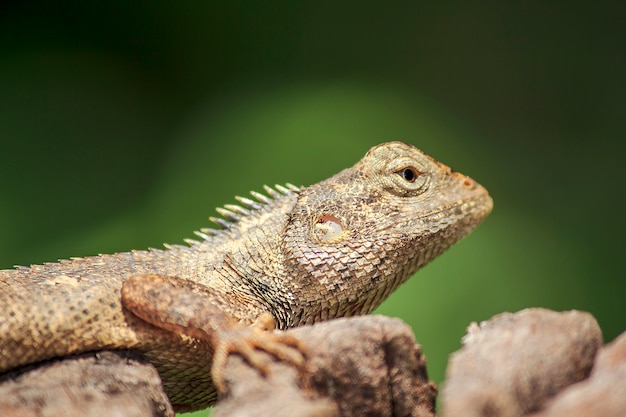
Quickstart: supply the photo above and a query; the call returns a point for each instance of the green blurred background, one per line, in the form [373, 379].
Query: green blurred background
[123, 124]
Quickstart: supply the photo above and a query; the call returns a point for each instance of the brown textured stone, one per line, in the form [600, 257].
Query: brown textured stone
[362, 366]
[514, 363]
[90, 385]
[603, 394]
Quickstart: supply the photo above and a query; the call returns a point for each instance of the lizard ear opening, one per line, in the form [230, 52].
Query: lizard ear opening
[328, 229]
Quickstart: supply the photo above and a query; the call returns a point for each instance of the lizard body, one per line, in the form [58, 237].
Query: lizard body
[336, 248]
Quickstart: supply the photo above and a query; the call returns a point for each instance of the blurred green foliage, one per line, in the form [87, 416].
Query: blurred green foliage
[122, 125]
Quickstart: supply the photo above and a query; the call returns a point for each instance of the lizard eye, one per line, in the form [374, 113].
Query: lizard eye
[409, 174]
[406, 176]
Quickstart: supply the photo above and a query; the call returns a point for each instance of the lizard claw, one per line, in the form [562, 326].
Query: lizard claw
[248, 342]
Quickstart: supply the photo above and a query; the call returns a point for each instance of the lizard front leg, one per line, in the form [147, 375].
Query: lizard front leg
[186, 307]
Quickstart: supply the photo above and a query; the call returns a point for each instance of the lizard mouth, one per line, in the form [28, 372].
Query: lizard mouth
[482, 201]
[470, 211]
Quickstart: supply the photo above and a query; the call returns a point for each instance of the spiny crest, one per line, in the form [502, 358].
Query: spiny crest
[232, 213]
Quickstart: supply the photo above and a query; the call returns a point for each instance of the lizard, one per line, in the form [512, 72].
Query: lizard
[290, 257]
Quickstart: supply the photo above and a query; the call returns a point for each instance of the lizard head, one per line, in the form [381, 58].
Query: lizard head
[361, 233]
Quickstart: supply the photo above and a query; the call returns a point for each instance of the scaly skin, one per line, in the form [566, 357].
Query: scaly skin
[336, 248]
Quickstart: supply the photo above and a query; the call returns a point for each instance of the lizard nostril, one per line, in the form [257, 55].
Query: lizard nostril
[328, 228]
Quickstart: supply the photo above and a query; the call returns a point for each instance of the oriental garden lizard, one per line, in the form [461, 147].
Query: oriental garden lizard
[294, 256]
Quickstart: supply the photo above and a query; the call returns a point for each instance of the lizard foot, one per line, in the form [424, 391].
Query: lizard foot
[248, 342]
[186, 307]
